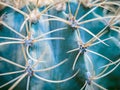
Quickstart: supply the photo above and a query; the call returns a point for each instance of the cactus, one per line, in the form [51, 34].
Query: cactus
[59, 45]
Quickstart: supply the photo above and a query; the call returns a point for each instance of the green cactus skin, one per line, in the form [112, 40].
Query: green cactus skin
[60, 49]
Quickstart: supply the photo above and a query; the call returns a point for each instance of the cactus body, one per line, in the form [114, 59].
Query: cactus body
[62, 45]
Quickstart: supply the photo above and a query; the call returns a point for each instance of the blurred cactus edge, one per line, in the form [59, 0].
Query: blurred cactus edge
[59, 44]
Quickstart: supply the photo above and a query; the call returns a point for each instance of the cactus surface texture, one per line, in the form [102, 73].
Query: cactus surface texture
[59, 45]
